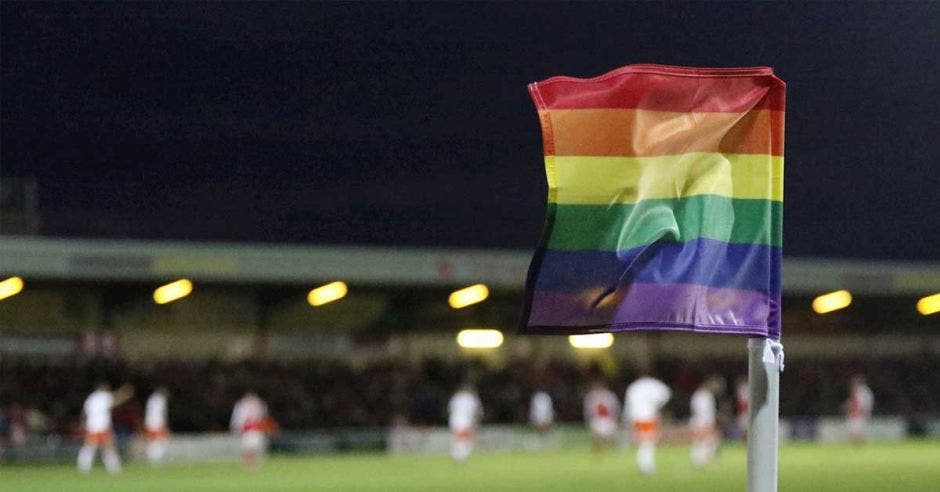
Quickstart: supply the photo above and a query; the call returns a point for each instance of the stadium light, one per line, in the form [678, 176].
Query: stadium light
[10, 287]
[480, 338]
[929, 305]
[172, 291]
[592, 341]
[330, 292]
[468, 295]
[832, 301]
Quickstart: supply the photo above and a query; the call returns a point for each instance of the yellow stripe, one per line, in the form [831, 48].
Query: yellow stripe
[622, 180]
[552, 179]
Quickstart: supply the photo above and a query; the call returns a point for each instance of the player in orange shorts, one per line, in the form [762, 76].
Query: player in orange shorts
[464, 414]
[601, 408]
[155, 424]
[858, 409]
[250, 419]
[98, 432]
[703, 423]
[644, 398]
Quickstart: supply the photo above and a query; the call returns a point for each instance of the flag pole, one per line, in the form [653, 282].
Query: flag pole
[765, 362]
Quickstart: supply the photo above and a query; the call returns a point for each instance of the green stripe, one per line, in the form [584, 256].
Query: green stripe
[623, 226]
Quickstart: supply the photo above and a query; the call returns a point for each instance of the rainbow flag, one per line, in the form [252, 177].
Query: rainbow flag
[665, 202]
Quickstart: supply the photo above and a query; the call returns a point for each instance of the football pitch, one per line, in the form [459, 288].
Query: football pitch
[908, 466]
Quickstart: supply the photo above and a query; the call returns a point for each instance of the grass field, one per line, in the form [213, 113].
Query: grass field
[910, 466]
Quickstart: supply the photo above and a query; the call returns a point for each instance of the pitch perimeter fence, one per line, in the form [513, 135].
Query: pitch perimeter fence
[200, 447]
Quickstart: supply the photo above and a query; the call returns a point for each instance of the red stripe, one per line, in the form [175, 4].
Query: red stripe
[662, 88]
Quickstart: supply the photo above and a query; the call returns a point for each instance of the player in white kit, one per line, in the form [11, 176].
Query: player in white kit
[704, 423]
[601, 408]
[644, 398]
[250, 420]
[858, 409]
[155, 424]
[465, 412]
[541, 412]
[98, 431]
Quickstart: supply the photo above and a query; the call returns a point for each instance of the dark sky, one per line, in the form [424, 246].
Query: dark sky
[410, 124]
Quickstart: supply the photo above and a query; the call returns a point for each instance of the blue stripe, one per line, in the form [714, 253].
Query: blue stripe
[702, 261]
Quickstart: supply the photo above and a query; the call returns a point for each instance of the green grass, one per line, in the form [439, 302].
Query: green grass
[909, 466]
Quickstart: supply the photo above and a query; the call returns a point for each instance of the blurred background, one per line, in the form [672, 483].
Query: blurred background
[261, 151]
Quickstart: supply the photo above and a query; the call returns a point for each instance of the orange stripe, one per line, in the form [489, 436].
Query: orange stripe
[644, 133]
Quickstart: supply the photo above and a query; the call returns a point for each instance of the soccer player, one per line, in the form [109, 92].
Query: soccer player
[541, 412]
[155, 423]
[250, 419]
[644, 398]
[858, 408]
[601, 408]
[98, 431]
[703, 424]
[741, 395]
[465, 412]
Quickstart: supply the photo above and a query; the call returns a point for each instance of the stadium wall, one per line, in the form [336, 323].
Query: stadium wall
[436, 440]
[207, 447]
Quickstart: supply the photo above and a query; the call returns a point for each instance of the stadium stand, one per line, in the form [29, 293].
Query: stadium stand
[385, 354]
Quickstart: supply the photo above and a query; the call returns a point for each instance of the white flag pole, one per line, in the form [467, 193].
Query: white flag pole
[765, 362]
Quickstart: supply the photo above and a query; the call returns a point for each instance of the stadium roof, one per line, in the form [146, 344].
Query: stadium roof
[64, 259]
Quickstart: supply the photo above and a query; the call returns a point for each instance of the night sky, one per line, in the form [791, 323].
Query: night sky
[410, 124]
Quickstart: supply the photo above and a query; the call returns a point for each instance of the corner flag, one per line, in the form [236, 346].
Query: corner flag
[665, 202]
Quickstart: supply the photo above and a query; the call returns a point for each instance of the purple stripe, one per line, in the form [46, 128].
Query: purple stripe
[655, 307]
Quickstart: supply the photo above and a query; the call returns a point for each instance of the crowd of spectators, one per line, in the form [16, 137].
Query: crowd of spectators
[45, 396]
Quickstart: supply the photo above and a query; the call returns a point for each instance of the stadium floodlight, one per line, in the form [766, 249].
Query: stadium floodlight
[10, 287]
[172, 291]
[832, 301]
[468, 295]
[480, 338]
[929, 305]
[591, 341]
[330, 292]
